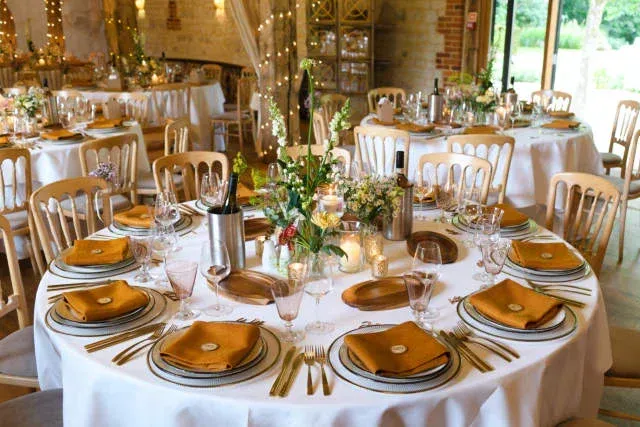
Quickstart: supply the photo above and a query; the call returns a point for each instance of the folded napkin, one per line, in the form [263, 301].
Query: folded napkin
[4, 141]
[412, 127]
[97, 252]
[561, 124]
[377, 121]
[138, 216]
[480, 130]
[510, 216]
[105, 302]
[105, 124]
[514, 305]
[57, 135]
[212, 346]
[403, 350]
[561, 114]
[544, 256]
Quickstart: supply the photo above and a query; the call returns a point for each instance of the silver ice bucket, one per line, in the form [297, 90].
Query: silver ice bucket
[400, 226]
[229, 228]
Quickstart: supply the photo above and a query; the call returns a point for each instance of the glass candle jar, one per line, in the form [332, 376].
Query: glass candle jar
[330, 200]
[373, 244]
[351, 243]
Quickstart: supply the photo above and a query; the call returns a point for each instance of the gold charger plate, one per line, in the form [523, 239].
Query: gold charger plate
[448, 248]
[247, 286]
[377, 295]
[255, 227]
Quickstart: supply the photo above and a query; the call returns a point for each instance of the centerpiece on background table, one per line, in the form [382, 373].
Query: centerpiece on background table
[27, 106]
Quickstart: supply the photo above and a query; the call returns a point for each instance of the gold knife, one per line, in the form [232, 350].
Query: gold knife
[462, 345]
[462, 352]
[122, 337]
[295, 367]
[283, 369]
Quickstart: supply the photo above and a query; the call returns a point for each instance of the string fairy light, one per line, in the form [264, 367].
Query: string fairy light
[55, 32]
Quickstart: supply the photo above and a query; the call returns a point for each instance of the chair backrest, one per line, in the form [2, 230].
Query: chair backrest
[623, 126]
[246, 88]
[555, 99]
[15, 180]
[630, 171]
[190, 164]
[376, 148]
[17, 300]
[394, 94]
[15, 91]
[79, 75]
[122, 151]
[330, 103]
[53, 76]
[320, 128]
[342, 155]
[498, 149]
[53, 220]
[171, 101]
[176, 136]
[248, 72]
[8, 77]
[462, 171]
[591, 203]
[134, 105]
[212, 72]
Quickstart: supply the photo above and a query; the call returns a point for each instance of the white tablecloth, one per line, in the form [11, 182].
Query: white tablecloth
[206, 101]
[551, 381]
[538, 155]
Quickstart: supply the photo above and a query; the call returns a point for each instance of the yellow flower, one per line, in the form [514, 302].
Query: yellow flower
[325, 220]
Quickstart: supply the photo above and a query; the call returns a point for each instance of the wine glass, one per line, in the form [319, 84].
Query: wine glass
[422, 189]
[141, 247]
[426, 264]
[163, 242]
[494, 255]
[273, 175]
[445, 200]
[210, 194]
[468, 210]
[215, 266]
[181, 271]
[515, 113]
[319, 284]
[487, 230]
[166, 210]
[288, 295]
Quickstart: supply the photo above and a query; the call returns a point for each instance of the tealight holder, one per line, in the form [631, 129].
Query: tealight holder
[373, 245]
[259, 242]
[351, 243]
[379, 266]
[330, 200]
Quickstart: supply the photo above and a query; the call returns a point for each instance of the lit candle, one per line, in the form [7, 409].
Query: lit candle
[296, 270]
[329, 202]
[351, 262]
[41, 61]
[379, 266]
[154, 79]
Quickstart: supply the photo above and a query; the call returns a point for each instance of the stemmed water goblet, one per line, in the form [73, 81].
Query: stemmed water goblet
[487, 230]
[514, 114]
[288, 295]
[166, 212]
[445, 200]
[319, 283]
[420, 281]
[494, 255]
[214, 267]
[422, 189]
[469, 209]
[163, 242]
[273, 175]
[141, 248]
[181, 271]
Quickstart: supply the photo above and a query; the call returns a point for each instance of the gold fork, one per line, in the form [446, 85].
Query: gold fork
[321, 358]
[309, 359]
[156, 335]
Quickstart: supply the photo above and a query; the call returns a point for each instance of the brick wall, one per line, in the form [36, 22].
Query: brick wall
[451, 26]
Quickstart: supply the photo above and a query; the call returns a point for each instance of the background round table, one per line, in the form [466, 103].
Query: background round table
[552, 381]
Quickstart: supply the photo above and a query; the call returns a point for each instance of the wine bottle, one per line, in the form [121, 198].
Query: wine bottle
[231, 204]
[401, 178]
[512, 88]
[435, 87]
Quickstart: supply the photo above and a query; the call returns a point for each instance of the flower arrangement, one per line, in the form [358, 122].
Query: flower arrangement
[29, 103]
[107, 171]
[143, 65]
[485, 101]
[372, 197]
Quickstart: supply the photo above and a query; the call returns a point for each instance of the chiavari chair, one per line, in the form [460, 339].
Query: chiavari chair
[395, 94]
[376, 149]
[621, 134]
[190, 164]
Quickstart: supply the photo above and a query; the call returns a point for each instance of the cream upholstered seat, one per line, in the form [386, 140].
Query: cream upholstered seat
[623, 125]
[585, 422]
[41, 409]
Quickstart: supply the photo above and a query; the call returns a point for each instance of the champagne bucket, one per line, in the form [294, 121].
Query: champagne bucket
[229, 228]
[436, 104]
[400, 226]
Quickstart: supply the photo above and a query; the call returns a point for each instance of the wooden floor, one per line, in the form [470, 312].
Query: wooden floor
[620, 285]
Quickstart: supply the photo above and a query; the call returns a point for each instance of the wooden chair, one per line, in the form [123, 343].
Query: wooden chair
[248, 72]
[590, 209]
[462, 171]
[14, 200]
[51, 217]
[498, 149]
[190, 164]
[395, 95]
[330, 103]
[176, 140]
[12, 92]
[623, 126]
[376, 149]
[240, 117]
[343, 156]
[212, 72]
[558, 101]
[17, 352]
[320, 128]
[43, 408]
[121, 150]
[175, 95]
[8, 77]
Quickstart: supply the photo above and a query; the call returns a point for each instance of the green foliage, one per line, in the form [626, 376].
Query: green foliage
[531, 37]
[621, 20]
[603, 80]
[239, 164]
[527, 76]
[571, 36]
[530, 13]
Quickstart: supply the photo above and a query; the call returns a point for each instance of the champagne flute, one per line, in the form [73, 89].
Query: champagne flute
[288, 295]
[141, 247]
[426, 265]
[181, 271]
[215, 266]
[319, 284]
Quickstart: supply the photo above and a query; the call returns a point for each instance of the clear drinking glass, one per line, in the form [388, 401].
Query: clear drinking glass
[164, 241]
[166, 210]
[273, 175]
[494, 255]
[331, 200]
[141, 247]
[422, 189]
[181, 271]
[319, 283]
[445, 200]
[427, 263]
[288, 295]
[487, 229]
[419, 288]
[514, 116]
[215, 266]
[210, 194]
[469, 208]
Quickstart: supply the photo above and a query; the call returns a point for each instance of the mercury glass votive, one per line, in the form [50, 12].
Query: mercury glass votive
[373, 245]
[351, 243]
[379, 266]
[259, 242]
[297, 271]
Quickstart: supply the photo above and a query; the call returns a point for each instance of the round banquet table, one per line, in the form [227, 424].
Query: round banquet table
[550, 382]
[537, 156]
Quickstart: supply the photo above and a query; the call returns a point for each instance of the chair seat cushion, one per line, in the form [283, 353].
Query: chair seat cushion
[584, 422]
[17, 354]
[625, 345]
[146, 181]
[610, 159]
[40, 409]
[634, 186]
[118, 203]
[18, 219]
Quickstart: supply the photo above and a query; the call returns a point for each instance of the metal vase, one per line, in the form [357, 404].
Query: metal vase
[229, 228]
[399, 228]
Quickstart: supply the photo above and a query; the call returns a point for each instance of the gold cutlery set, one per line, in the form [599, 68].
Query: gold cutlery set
[291, 365]
[188, 210]
[549, 290]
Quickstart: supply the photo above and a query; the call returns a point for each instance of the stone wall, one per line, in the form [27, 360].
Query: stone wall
[205, 33]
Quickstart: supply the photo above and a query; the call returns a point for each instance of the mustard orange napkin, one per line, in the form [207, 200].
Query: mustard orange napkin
[105, 302]
[59, 134]
[561, 114]
[97, 252]
[377, 121]
[514, 305]
[561, 124]
[381, 352]
[480, 130]
[212, 346]
[138, 216]
[544, 256]
[105, 124]
[4, 141]
[412, 127]
[510, 216]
